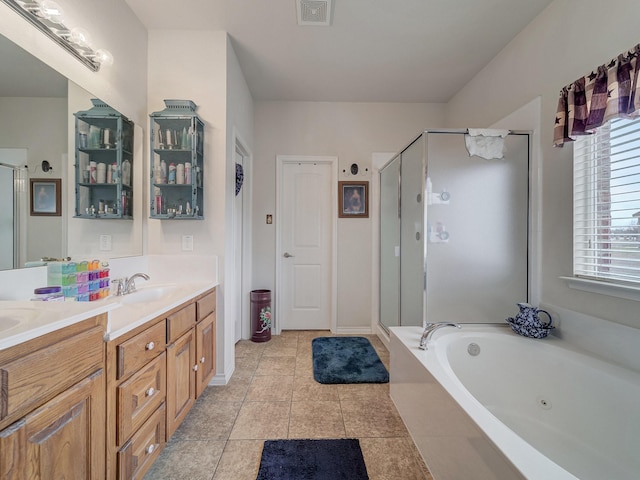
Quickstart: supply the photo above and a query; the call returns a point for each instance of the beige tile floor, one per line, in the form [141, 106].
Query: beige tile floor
[272, 395]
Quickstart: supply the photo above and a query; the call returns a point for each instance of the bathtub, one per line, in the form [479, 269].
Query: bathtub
[485, 403]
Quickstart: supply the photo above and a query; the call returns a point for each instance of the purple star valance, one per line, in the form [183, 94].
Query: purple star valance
[610, 91]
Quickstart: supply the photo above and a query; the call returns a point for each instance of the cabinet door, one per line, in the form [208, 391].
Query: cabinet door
[205, 349]
[65, 438]
[181, 394]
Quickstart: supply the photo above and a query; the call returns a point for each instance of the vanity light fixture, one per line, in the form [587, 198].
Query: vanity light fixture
[48, 17]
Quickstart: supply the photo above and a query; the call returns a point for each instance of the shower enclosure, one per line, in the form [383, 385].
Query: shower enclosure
[453, 231]
[13, 181]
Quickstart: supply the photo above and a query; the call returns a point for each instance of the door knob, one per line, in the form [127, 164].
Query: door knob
[288, 255]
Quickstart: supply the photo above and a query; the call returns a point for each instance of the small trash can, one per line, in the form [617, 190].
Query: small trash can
[261, 315]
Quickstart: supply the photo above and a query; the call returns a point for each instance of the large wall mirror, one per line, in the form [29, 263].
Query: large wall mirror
[37, 142]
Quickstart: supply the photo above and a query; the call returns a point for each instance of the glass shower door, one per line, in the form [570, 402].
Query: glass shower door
[7, 227]
[477, 229]
[412, 255]
[390, 244]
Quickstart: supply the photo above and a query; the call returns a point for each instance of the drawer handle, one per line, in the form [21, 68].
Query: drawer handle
[150, 449]
[150, 391]
[202, 360]
[195, 368]
[150, 346]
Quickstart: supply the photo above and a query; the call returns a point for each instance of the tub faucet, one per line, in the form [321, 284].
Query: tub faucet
[432, 327]
[128, 285]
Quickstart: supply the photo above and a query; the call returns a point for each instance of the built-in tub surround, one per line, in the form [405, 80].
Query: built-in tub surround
[483, 402]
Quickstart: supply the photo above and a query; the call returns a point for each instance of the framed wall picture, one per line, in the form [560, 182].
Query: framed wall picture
[46, 197]
[353, 199]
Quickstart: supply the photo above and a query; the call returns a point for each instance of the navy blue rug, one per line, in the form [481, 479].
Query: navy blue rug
[312, 460]
[346, 360]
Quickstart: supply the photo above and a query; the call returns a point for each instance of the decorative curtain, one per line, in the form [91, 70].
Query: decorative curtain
[610, 91]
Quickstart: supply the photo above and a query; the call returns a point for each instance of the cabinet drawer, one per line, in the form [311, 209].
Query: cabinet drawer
[138, 350]
[139, 396]
[135, 458]
[180, 322]
[28, 380]
[206, 305]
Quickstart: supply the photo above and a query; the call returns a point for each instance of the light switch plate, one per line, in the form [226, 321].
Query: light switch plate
[187, 243]
[105, 243]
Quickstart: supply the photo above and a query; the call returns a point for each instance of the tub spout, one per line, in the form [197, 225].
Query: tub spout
[432, 327]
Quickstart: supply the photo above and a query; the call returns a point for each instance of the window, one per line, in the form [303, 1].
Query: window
[606, 210]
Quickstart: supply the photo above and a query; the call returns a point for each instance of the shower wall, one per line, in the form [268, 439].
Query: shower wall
[453, 233]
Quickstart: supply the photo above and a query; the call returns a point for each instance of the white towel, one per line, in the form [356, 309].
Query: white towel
[485, 143]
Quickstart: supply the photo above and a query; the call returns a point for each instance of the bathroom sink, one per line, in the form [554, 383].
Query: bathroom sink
[147, 294]
[12, 317]
[8, 322]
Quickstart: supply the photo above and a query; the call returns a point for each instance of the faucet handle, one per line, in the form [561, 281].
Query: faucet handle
[119, 285]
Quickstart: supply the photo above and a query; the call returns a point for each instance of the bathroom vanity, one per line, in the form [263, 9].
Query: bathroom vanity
[52, 407]
[96, 392]
[155, 373]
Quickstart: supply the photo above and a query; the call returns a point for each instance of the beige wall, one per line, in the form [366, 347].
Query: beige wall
[568, 40]
[352, 132]
[180, 67]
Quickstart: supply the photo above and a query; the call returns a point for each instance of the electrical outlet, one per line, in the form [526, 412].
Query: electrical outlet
[269, 219]
[105, 243]
[187, 243]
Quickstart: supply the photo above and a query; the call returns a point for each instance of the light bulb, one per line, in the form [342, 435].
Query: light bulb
[80, 37]
[51, 11]
[103, 57]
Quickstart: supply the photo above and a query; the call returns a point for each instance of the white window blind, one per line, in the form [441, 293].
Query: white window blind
[606, 210]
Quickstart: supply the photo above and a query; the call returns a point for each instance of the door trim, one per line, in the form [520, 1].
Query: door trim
[244, 283]
[281, 160]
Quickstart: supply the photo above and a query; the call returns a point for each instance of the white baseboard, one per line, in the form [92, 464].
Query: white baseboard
[383, 336]
[221, 379]
[354, 331]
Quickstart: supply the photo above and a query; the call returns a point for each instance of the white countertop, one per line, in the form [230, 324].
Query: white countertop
[129, 316]
[21, 321]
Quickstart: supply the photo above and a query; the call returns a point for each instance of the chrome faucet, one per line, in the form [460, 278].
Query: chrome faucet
[125, 285]
[432, 327]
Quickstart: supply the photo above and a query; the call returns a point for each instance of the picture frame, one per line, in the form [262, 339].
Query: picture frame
[353, 199]
[46, 197]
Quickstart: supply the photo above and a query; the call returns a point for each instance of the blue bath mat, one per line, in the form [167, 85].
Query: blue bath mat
[346, 360]
[312, 460]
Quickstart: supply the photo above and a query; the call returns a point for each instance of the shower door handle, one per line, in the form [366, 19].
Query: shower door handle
[288, 255]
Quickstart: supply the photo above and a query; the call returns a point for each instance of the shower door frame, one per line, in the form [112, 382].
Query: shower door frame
[423, 136]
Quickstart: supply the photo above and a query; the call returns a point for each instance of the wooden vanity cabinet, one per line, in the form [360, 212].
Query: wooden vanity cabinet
[155, 373]
[190, 356]
[53, 405]
[136, 393]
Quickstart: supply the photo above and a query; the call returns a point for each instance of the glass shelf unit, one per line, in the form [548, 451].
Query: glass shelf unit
[103, 163]
[176, 162]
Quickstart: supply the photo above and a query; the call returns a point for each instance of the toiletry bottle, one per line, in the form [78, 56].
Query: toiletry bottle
[126, 172]
[109, 174]
[172, 173]
[158, 201]
[93, 172]
[180, 174]
[185, 139]
[101, 169]
[114, 172]
[187, 173]
[163, 172]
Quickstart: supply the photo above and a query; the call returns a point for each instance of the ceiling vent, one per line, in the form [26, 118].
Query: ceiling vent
[314, 12]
